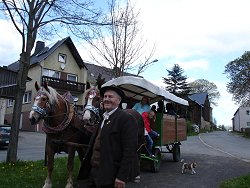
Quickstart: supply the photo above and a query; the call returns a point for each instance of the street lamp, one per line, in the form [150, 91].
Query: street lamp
[155, 60]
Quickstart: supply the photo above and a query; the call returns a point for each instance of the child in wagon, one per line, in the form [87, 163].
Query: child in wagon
[150, 134]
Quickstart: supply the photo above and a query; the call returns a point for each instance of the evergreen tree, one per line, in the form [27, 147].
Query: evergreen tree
[176, 81]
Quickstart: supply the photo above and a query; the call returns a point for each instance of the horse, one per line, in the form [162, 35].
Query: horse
[65, 129]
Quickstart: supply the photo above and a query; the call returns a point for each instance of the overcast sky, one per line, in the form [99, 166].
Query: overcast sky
[202, 36]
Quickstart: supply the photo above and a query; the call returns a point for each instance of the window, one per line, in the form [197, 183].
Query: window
[248, 124]
[248, 112]
[62, 58]
[27, 97]
[10, 102]
[72, 77]
[51, 73]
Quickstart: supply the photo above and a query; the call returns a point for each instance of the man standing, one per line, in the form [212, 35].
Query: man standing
[109, 159]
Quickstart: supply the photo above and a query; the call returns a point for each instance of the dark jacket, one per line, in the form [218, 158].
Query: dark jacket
[118, 149]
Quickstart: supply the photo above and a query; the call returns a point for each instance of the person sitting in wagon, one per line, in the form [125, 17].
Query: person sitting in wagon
[142, 106]
[150, 134]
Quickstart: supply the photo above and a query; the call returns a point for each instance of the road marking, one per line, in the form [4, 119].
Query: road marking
[242, 159]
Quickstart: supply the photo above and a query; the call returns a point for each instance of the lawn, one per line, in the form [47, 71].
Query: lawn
[31, 174]
[240, 182]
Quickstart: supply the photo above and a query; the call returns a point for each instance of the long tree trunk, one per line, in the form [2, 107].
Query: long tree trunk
[21, 87]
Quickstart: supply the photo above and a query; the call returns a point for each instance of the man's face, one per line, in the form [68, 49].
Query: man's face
[111, 100]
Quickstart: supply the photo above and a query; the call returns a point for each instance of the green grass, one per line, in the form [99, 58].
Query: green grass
[31, 174]
[240, 182]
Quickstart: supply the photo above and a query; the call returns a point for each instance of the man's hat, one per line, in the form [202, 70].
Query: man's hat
[113, 88]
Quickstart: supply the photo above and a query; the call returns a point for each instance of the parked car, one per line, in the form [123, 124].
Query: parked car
[4, 135]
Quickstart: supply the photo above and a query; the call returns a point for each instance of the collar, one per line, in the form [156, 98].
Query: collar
[107, 114]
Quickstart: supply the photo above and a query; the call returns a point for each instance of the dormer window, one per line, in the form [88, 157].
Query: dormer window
[62, 58]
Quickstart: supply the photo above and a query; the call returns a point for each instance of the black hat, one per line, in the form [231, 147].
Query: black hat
[113, 88]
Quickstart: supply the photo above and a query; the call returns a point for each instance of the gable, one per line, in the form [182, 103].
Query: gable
[45, 51]
[199, 98]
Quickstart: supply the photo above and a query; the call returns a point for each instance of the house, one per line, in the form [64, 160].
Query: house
[241, 118]
[61, 66]
[199, 111]
[8, 88]
[102, 74]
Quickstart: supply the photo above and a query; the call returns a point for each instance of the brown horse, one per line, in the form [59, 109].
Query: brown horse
[64, 127]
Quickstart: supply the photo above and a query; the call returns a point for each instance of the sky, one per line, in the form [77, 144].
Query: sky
[202, 36]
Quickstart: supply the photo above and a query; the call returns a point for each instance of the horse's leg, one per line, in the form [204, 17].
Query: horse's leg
[81, 154]
[50, 166]
[70, 166]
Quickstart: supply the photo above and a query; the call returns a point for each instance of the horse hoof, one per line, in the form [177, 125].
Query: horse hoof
[69, 185]
[47, 186]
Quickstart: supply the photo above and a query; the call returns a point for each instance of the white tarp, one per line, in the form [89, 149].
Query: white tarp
[136, 87]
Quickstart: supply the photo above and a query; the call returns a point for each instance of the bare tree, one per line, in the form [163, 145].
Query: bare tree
[31, 17]
[119, 45]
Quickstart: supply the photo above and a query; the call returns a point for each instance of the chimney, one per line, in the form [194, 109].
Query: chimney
[39, 46]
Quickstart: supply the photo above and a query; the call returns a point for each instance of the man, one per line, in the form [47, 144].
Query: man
[109, 159]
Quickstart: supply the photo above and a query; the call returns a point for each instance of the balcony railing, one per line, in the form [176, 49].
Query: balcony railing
[8, 92]
[66, 85]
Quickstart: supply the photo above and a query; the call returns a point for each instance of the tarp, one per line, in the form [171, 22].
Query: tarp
[137, 87]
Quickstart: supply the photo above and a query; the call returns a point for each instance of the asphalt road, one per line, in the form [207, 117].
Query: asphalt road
[219, 155]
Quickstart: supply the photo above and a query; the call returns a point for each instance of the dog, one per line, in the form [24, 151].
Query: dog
[188, 166]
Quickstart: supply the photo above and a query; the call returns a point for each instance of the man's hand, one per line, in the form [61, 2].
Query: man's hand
[119, 183]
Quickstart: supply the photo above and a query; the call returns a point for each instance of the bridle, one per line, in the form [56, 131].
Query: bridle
[92, 109]
[46, 110]
[43, 111]
[91, 95]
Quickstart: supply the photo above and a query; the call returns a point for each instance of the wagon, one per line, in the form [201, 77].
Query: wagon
[172, 129]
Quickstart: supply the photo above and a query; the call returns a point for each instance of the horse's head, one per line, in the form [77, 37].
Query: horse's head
[92, 108]
[43, 102]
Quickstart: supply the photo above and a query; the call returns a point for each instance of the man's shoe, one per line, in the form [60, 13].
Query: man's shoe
[137, 179]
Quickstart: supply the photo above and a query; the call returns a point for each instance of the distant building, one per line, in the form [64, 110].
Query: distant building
[241, 119]
[199, 110]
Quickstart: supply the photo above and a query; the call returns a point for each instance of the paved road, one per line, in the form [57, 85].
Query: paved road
[221, 160]
[31, 146]
[220, 156]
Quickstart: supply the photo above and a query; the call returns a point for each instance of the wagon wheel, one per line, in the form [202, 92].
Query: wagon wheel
[156, 161]
[176, 153]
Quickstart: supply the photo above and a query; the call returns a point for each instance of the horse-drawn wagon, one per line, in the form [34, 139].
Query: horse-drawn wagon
[172, 128]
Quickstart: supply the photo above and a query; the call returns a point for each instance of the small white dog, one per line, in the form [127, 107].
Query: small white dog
[188, 166]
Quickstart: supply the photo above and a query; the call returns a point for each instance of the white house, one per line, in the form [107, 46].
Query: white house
[241, 119]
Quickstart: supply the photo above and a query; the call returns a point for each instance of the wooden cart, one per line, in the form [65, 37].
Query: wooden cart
[172, 129]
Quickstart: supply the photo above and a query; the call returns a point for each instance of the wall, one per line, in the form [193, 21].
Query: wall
[241, 118]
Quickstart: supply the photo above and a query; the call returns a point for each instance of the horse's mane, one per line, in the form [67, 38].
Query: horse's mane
[52, 95]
